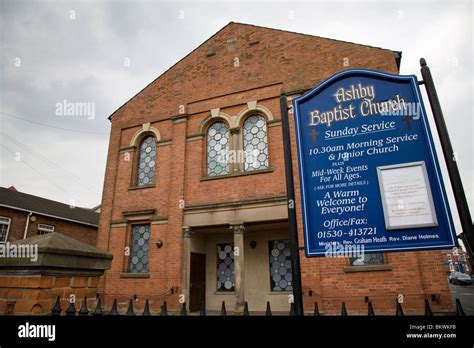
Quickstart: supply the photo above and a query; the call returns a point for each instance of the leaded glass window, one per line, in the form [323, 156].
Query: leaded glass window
[255, 143]
[139, 249]
[4, 228]
[217, 149]
[146, 162]
[280, 265]
[225, 267]
[367, 259]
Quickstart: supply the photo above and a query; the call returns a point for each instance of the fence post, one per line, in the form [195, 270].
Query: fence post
[371, 312]
[114, 310]
[164, 309]
[428, 311]
[71, 309]
[246, 309]
[344, 310]
[316, 310]
[146, 310]
[268, 311]
[223, 310]
[459, 309]
[98, 308]
[183, 310]
[57, 307]
[130, 311]
[84, 311]
[292, 309]
[399, 309]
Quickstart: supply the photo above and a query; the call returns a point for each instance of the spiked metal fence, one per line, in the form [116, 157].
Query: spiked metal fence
[98, 311]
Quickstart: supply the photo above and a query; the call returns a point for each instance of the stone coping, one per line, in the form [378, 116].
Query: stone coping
[55, 251]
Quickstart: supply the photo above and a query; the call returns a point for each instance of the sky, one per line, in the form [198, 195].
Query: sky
[99, 54]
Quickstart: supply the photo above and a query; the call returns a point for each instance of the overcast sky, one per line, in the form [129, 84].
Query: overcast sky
[104, 52]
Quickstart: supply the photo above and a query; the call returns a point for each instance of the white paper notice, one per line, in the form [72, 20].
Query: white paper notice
[406, 196]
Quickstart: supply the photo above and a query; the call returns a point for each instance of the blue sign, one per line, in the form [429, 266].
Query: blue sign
[369, 174]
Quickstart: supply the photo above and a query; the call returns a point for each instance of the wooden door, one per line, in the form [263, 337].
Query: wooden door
[197, 286]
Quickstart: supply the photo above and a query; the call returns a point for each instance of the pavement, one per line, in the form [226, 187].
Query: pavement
[465, 294]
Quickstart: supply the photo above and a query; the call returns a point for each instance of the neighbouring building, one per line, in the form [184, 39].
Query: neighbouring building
[457, 261]
[23, 215]
[194, 204]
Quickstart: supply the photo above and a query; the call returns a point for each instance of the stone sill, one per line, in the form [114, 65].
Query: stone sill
[286, 293]
[134, 275]
[236, 174]
[140, 187]
[224, 292]
[368, 268]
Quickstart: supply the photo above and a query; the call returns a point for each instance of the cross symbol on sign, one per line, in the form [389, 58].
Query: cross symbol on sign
[408, 121]
[314, 136]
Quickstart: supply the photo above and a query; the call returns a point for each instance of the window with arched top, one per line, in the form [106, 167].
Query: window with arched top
[218, 149]
[255, 143]
[146, 161]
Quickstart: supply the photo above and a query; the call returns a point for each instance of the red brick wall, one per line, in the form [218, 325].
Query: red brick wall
[84, 233]
[37, 294]
[281, 61]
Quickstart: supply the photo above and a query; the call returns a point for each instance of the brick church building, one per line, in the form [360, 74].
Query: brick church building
[185, 222]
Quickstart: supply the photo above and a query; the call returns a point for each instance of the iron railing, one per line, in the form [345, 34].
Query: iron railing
[98, 311]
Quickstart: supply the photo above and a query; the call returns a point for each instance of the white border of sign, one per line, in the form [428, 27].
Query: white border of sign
[437, 170]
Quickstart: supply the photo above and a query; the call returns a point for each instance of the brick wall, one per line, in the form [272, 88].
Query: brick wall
[37, 294]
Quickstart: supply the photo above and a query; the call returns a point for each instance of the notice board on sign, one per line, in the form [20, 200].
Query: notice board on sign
[369, 172]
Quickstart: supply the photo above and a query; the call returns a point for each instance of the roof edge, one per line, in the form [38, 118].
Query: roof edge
[321, 37]
[171, 67]
[397, 59]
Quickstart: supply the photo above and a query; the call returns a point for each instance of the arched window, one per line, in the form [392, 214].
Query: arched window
[217, 149]
[255, 143]
[146, 161]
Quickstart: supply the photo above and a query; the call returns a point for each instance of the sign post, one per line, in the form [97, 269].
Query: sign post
[292, 223]
[449, 156]
[370, 177]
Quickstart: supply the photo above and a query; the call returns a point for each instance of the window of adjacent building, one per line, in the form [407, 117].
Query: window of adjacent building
[280, 265]
[139, 249]
[217, 149]
[44, 229]
[367, 259]
[4, 228]
[146, 161]
[255, 143]
[225, 267]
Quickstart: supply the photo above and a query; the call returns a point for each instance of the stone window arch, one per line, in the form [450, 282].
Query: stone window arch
[145, 129]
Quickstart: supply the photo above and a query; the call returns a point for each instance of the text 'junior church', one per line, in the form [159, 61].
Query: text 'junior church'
[194, 205]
